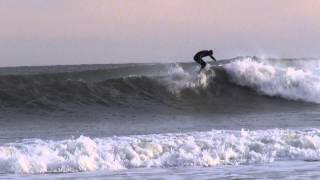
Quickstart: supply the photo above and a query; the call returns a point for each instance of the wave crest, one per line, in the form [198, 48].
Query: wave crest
[274, 80]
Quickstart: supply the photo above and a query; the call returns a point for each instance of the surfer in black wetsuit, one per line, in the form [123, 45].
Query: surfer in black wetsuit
[201, 54]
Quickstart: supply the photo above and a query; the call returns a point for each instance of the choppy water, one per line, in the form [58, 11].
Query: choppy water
[240, 118]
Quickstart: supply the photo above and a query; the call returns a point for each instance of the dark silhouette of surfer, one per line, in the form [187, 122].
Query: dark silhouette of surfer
[201, 54]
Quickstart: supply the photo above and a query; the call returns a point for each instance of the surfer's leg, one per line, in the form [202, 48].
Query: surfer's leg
[202, 63]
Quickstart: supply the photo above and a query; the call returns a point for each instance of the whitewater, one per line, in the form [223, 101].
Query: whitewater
[246, 117]
[287, 82]
[212, 148]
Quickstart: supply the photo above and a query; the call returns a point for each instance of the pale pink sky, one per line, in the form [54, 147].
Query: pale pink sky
[38, 32]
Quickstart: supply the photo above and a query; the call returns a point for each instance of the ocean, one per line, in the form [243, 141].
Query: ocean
[242, 118]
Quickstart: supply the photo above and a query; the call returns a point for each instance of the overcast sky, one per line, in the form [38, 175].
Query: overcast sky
[42, 32]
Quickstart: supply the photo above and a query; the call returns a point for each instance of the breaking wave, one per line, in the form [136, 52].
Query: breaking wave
[212, 148]
[288, 82]
[242, 80]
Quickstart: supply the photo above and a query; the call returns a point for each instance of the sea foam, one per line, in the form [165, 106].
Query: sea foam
[211, 148]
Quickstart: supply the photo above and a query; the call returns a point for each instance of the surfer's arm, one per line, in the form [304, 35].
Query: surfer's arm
[213, 58]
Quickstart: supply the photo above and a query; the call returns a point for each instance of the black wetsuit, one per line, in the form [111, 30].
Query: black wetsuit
[201, 54]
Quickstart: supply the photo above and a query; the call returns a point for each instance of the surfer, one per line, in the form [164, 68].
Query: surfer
[201, 54]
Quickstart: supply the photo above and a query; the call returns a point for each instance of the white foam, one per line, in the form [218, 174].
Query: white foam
[212, 148]
[289, 82]
[178, 79]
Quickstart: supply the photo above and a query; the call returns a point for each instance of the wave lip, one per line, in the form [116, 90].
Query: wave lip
[289, 82]
[212, 148]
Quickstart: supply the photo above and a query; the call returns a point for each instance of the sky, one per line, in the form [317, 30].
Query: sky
[52, 32]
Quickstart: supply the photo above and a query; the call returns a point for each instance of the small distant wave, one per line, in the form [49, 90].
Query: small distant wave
[212, 148]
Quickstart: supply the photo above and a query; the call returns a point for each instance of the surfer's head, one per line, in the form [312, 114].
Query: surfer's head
[211, 52]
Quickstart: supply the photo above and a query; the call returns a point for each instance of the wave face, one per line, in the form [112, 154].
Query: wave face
[243, 82]
[212, 148]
